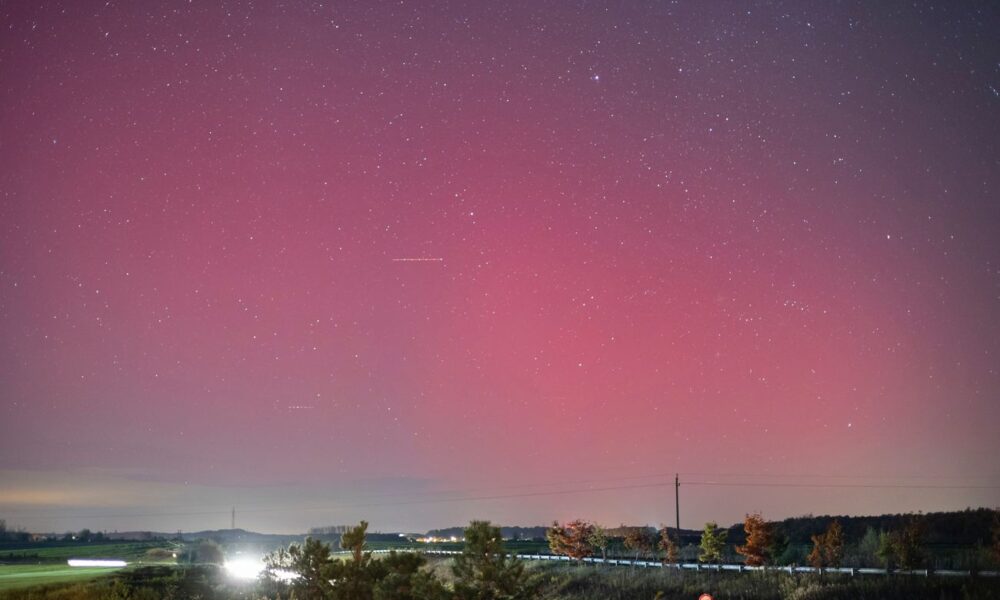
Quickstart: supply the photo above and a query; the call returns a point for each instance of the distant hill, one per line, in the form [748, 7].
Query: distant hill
[966, 528]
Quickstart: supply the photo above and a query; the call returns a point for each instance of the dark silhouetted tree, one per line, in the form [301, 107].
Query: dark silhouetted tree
[354, 541]
[780, 547]
[356, 579]
[310, 562]
[640, 540]
[995, 545]
[904, 547]
[484, 570]
[910, 544]
[398, 576]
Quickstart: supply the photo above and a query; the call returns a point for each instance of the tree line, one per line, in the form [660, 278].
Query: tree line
[765, 543]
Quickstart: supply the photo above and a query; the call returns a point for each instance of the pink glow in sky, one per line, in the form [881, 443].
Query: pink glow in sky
[747, 245]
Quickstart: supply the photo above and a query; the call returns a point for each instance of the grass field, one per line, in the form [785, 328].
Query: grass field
[23, 576]
[48, 553]
[29, 565]
[572, 582]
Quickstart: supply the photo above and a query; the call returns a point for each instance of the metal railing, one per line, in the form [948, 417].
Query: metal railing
[739, 568]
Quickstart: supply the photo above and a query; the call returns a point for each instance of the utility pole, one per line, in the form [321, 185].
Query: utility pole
[677, 502]
[232, 524]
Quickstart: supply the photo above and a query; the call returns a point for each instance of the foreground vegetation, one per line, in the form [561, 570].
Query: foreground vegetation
[553, 581]
[484, 571]
[488, 569]
[565, 582]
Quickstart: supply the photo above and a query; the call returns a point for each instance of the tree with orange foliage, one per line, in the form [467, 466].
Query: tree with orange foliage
[571, 539]
[640, 539]
[760, 538]
[828, 547]
[668, 546]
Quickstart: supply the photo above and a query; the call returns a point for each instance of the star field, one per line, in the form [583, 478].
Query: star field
[408, 247]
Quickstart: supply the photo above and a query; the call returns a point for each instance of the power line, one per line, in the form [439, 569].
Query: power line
[549, 493]
[848, 485]
[419, 493]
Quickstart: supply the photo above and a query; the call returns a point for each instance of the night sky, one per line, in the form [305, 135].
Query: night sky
[419, 262]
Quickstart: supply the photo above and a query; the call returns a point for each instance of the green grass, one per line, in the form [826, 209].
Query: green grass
[58, 553]
[23, 576]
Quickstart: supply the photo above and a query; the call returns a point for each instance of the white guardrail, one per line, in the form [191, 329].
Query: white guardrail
[718, 568]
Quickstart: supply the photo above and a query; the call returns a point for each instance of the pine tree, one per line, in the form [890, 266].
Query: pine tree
[312, 565]
[713, 541]
[354, 540]
[868, 548]
[484, 570]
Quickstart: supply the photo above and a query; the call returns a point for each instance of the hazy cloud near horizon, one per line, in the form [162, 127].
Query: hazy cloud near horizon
[124, 500]
[127, 499]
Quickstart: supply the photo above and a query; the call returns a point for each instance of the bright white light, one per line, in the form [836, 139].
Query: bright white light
[251, 568]
[244, 568]
[89, 562]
